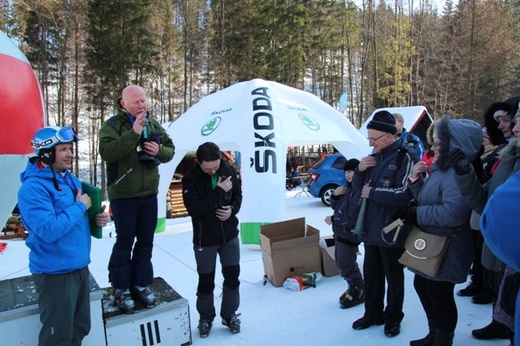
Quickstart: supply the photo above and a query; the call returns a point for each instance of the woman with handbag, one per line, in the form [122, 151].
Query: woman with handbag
[442, 211]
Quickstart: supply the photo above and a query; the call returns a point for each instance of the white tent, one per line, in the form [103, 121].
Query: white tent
[260, 119]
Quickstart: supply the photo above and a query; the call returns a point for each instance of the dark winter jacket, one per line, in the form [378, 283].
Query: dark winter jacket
[442, 209]
[202, 200]
[476, 195]
[346, 210]
[126, 176]
[389, 192]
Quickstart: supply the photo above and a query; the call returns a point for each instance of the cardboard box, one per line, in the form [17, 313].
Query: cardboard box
[328, 259]
[289, 248]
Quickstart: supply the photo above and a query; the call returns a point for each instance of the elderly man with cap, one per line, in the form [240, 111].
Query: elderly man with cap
[382, 179]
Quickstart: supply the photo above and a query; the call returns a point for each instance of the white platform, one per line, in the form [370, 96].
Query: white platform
[20, 317]
[168, 323]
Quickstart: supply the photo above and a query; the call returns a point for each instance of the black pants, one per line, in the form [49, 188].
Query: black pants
[438, 302]
[135, 219]
[477, 268]
[64, 305]
[381, 264]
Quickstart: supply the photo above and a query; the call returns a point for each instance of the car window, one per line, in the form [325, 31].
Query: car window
[319, 163]
[339, 163]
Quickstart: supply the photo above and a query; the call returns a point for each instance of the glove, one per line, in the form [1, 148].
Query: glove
[408, 215]
[458, 161]
[400, 214]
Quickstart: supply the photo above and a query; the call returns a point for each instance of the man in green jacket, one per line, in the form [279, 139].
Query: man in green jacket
[133, 145]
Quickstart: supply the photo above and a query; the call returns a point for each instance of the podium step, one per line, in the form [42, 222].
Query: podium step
[167, 323]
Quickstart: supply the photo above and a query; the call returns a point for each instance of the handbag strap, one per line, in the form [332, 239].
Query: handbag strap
[397, 225]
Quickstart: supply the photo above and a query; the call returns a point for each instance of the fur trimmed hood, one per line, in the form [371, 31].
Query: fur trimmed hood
[463, 133]
[510, 151]
[495, 135]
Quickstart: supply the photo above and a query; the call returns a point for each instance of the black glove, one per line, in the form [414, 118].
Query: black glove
[408, 215]
[400, 214]
[458, 160]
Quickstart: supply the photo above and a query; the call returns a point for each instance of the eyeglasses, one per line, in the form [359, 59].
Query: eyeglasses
[373, 140]
[436, 145]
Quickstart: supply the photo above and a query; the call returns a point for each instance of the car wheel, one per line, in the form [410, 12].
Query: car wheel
[326, 192]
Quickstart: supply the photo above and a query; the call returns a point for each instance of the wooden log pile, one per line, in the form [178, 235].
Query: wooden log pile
[175, 197]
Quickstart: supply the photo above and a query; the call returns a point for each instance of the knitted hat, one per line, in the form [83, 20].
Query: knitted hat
[351, 165]
[383, 121]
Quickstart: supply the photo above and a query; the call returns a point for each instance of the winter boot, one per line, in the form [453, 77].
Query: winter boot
[473, 289]
[485, 296]
[428, 339]
[342, 296]
[144, 295]
[494, 330]
[353, 296]
[443, 338]
[123, 300]
[204, 328]
[233, 323]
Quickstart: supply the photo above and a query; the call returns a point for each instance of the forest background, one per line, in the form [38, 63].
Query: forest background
[457, 59]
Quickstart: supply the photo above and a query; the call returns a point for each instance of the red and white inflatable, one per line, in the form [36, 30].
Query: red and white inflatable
[21, 114]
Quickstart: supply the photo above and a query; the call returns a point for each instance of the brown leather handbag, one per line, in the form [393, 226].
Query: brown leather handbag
[424, 252]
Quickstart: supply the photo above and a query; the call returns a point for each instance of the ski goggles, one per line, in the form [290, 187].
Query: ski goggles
[67, 134]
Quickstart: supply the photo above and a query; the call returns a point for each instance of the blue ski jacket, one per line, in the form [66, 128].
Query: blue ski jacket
[58, 226]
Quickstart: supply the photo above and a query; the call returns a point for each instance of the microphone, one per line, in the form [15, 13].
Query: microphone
[145, 128]
[144, 158]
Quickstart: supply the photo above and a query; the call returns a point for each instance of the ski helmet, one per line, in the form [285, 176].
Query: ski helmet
[45, 139]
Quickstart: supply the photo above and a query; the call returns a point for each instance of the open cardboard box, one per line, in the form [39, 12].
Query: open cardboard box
[328, 258]
[289, 248]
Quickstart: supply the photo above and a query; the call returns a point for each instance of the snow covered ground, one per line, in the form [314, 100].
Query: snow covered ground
[270, 315]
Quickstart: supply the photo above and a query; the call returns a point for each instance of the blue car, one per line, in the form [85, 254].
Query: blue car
[325, 176]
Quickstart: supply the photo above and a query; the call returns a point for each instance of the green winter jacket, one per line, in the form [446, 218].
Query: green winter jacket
[126, 176]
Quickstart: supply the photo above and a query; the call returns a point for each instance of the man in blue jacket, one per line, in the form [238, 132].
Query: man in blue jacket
[54, 208]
